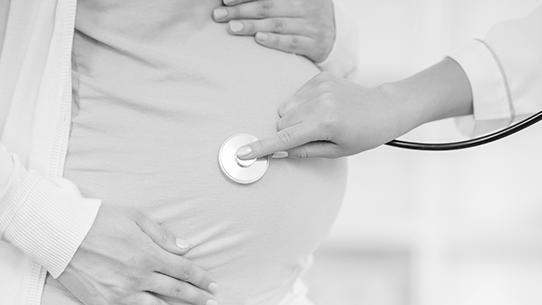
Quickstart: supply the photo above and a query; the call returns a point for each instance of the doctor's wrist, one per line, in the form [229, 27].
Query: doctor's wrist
[438, 92]
[403, 110]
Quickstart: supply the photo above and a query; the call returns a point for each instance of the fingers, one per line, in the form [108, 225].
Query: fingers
[255, 10]
[299, 124]
[283, 34]
[185, 270]
[147, 299]
[310, 24]
[268, 25]
[319, 149]
[309, 92]
[162, 237]
[306, 127]
[234, 2]
[313, 149]
[283, 140]
[177, 290]
[173, 265]
[298, 44]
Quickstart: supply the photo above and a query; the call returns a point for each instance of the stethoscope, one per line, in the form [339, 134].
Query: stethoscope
[241, 171]
[250, 171]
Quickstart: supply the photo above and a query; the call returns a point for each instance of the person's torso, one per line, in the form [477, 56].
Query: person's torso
[158, 87]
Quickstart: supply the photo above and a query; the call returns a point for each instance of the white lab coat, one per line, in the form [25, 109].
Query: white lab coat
[505, 72]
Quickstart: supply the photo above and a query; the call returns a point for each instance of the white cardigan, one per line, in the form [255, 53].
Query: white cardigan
[44, 218]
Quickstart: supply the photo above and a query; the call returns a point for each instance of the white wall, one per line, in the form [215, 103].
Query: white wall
[472, 219]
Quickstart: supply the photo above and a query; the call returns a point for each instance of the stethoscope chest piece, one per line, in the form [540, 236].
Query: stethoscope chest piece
[241, 171]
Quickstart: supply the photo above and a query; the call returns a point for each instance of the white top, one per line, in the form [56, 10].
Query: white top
[505, 72]
[156, 100]
[43, 218]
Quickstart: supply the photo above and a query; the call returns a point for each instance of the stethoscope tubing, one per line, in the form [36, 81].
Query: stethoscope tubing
[503, 133]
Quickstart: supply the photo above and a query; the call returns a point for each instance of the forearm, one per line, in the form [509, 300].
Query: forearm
[438, 92]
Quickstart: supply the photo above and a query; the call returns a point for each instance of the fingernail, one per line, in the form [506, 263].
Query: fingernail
[213, 288]
[181, 243]
[228, 2]
[261, 36]
[244, 151]
[280, 155]
[235, 26]
[220, 13]
[211, 302]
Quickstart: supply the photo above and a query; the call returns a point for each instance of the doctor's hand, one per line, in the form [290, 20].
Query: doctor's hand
[330, 117]
[126, 258]
[304, 27]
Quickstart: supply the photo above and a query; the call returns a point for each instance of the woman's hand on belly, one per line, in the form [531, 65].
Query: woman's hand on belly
[304, 27]
[126, 258]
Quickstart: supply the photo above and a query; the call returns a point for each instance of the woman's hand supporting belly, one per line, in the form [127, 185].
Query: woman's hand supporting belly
[305, 27]
[127, 258]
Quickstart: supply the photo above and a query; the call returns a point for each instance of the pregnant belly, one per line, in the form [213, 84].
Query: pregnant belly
[147, 134]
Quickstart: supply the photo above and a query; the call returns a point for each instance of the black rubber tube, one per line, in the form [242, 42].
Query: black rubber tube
[472, 142]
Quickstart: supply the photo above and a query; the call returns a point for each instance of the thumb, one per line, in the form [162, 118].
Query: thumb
[319, 149]
[163, 237]
[283, 140]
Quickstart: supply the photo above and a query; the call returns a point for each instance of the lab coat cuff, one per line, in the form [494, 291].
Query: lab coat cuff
[492, 104]
[48, 219]
[343, 57]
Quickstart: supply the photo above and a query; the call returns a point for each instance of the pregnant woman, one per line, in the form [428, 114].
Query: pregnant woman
[157, 87]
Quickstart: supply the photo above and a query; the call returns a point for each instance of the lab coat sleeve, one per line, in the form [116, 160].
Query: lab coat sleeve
[343, 58]
[46, 218]
[505, 73]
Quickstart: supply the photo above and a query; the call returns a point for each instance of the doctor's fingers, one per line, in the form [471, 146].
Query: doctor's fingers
[283, 140]
[322, 128]
[316, 89]
[302, 114]
[178, 291]
[317, 149]
[317, 118]
[259, 9]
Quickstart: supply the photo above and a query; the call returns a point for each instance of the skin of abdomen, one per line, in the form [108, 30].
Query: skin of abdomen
[152, 113]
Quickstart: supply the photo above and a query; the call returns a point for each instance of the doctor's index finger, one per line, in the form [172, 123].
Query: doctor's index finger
[283, 140]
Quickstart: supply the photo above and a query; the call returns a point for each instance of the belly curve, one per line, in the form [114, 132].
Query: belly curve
[147, 134]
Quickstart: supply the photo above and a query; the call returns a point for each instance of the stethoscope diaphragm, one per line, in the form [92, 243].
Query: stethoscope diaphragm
[241, 171]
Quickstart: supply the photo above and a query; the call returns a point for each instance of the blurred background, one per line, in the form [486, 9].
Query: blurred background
[456, 228]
